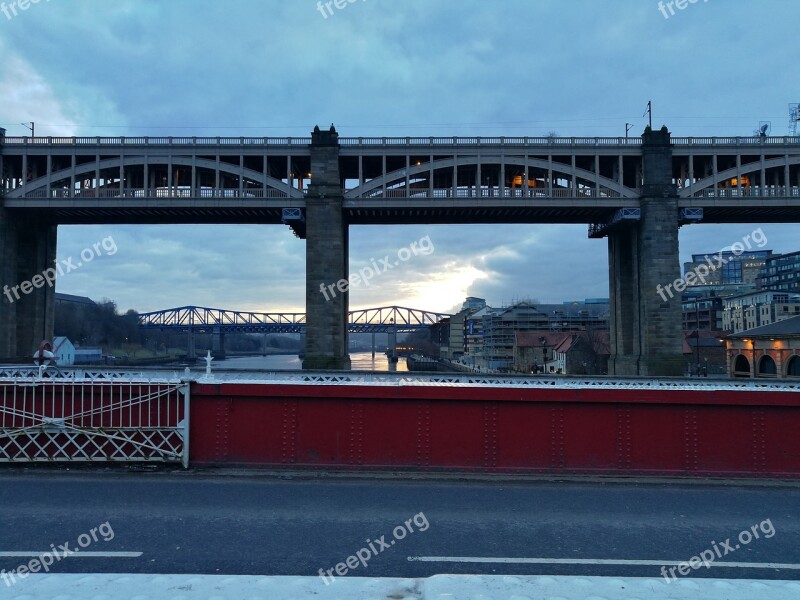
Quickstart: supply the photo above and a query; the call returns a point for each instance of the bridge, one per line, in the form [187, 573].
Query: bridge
[218, 322]
[386, 319]
[636, 192]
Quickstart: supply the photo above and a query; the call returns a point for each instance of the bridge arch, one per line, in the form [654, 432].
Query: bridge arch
[767, 366]
[708, 182]
[139, 161]
[399, 176]
[793, 366]
[741, 366]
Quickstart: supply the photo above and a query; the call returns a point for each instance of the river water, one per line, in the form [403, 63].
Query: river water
[361, 361]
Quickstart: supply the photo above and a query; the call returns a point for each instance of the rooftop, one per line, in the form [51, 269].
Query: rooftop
[785, 328]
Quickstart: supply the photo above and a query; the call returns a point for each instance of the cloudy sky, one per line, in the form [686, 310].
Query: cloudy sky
[387, 67]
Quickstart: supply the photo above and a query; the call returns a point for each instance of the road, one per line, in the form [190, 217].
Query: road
[267, 524]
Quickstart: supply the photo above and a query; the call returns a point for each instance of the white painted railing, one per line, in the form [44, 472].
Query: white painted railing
[750, 192]
[413, 379]
[157, 193]
[397, 141]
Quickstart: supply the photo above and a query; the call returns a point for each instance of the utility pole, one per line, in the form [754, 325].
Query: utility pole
[649, 112]
[31, 126]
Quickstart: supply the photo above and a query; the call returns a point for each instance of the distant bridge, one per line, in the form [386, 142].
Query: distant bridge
[386, 319]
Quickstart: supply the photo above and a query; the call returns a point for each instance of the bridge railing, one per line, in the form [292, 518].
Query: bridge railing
[750, 192]
[431, 141]
[247, 194]
[495, 192]
[158, 141]
[490, 141]
[736, 141]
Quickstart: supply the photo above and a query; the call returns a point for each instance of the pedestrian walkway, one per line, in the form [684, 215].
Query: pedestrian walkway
[440, 587]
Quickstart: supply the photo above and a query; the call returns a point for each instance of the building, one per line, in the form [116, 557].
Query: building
[702, 313]
[88, 356]
[477, 353]
[728, 267]
[64, 351]
[456, 334]
[490, 332]
[565, 353]
[62, 299]
[759, 308]
[781, 273]
[770, 351]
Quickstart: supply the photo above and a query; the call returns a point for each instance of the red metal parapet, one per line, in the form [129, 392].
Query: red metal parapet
[559, 430]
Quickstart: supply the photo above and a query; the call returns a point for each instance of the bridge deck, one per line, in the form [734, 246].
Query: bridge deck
[392, 180]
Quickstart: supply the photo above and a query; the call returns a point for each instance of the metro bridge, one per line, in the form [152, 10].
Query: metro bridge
[218, 322]
[637, 192]
[386, 319]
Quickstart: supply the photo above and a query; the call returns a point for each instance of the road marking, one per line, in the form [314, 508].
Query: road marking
[594, 561]
[72, 554]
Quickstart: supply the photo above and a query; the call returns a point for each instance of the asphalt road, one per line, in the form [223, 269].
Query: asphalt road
[196, 523]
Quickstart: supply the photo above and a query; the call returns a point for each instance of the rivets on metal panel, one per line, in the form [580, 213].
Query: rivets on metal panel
[289, 432]
[759, 430]
[223, 426]
[490, 435]
[691, 460]
[356, 433]
[557, 453]
[624, 460]
[423, 434]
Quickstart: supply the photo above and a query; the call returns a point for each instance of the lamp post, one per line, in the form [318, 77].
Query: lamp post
[543, 342]
[697, 331]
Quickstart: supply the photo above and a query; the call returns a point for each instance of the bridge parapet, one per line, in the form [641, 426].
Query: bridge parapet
[426, 141]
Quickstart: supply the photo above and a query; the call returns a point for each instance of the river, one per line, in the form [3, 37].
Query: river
[361, 361]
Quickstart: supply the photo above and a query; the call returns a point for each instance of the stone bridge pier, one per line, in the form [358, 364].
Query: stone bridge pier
[646, 324]
[327, 256]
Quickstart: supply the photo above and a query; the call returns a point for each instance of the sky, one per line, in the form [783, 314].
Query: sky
[387, 68]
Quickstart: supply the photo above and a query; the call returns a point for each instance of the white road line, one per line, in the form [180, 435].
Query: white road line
[593, 561]
[71, 554]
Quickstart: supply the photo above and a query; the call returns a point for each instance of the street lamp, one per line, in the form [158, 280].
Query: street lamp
[543, 342]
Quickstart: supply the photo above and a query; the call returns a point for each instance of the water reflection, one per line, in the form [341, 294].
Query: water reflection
[361, 361]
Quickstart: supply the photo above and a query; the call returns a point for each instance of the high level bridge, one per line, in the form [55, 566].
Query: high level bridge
[636, 192]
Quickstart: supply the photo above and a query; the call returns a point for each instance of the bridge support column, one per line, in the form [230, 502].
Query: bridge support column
[327, 291]
[191, 351]
[392, 349]
[646, 324]
[27, 299]
[218, 344]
